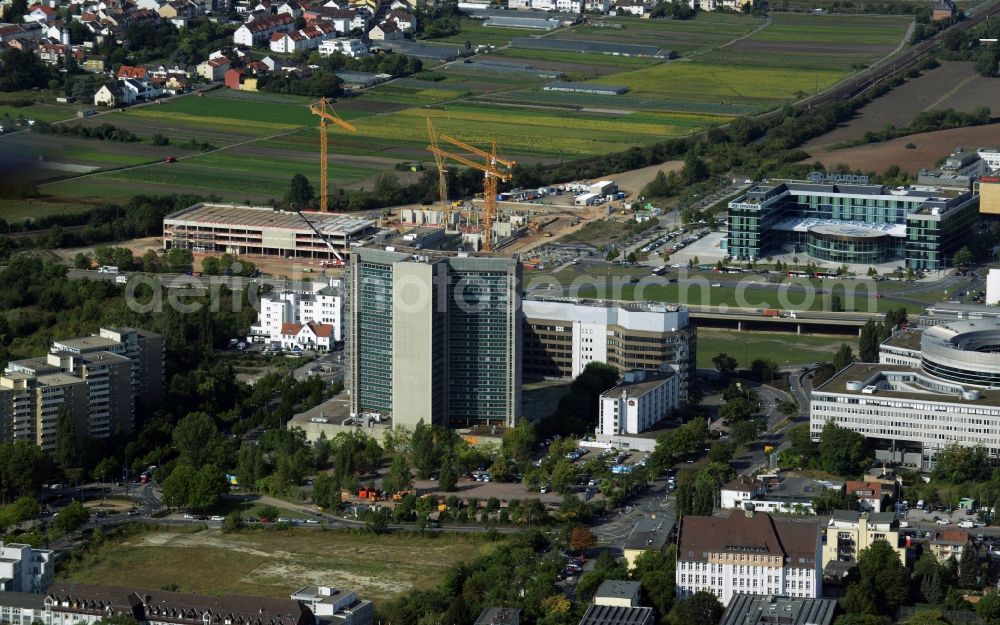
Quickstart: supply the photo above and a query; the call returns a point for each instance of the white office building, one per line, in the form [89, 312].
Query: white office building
[643, 399]
[563, 335]
[24, 569]
[993, 287]
[930, 389]
[748, 553]
[321, 302]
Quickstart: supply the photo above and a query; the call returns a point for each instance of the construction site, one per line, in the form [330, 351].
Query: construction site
[508, 221]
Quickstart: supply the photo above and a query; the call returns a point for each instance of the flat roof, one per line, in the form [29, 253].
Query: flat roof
[499, 616]
[840, 227]
[59, 379]
[86, 343]
[652, 380]
[650, 533]
[616, 615]
[267, 218]
[906, 339]
[862, 372]
[747, 609]
[618, 589]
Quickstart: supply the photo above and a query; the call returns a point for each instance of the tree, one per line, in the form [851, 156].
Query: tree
[179, 260]
[105, 469]
[422, 450]
[250, 466]
[563, 474]
[843, 357]
[24, 509]
[197, 438]
[932, 587]
[962, 258]
[702, 607]
[842, 451]
[208, 486]
[233, 522]
[399, 477]
[581, 539]
[725, 364]
[67, 441]
[300, 192]
[958, 464]
[862, 619]
[519, 442]
[868, 342]
[745, 432]
[613, 254]
[763, 369]
[177, 486]
[882, 579]
[968, 569]
[71, 518]
[694, 170]
[736, 409]
[788, 408]
[632, 258]
[988, 608]
[448, 477]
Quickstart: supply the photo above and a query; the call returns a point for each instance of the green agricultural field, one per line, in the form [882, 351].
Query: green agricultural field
[233, 176]
[583, 61]
[275, 563]
[18, 210]
[837, 29]
[708, 82]
[477, 34]
[531, 132]
[794, 55]
[704, 32]
[781, 347]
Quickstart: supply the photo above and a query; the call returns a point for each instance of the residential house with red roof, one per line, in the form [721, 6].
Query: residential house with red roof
[259, 28]
[311, 335]
[131, 71]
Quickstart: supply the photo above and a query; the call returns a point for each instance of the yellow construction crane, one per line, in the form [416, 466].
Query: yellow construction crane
[326, 115]
[442, 173]
[492, 175]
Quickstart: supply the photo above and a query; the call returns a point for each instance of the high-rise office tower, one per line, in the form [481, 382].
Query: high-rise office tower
[434, 336]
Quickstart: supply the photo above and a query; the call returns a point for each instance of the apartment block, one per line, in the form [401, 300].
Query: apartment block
[145, 350]
[562, 336]
[850, 532]
[434, 336]
[750, 553]
[100, 380]
[24, 569]
[322, 303]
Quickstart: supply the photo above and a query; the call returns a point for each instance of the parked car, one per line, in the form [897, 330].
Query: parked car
[216, 517]
[942, 521]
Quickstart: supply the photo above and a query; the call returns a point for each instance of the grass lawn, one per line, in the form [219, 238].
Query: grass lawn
[781, 347]
[275, 563]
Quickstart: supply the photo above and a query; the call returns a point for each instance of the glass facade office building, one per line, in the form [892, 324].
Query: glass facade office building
[850, 223]
[434, 336]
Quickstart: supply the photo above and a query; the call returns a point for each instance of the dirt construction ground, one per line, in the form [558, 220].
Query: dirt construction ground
[930, 148]
[952, 85]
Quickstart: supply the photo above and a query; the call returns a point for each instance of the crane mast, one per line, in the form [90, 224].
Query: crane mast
[495, 169]
[327, 116]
